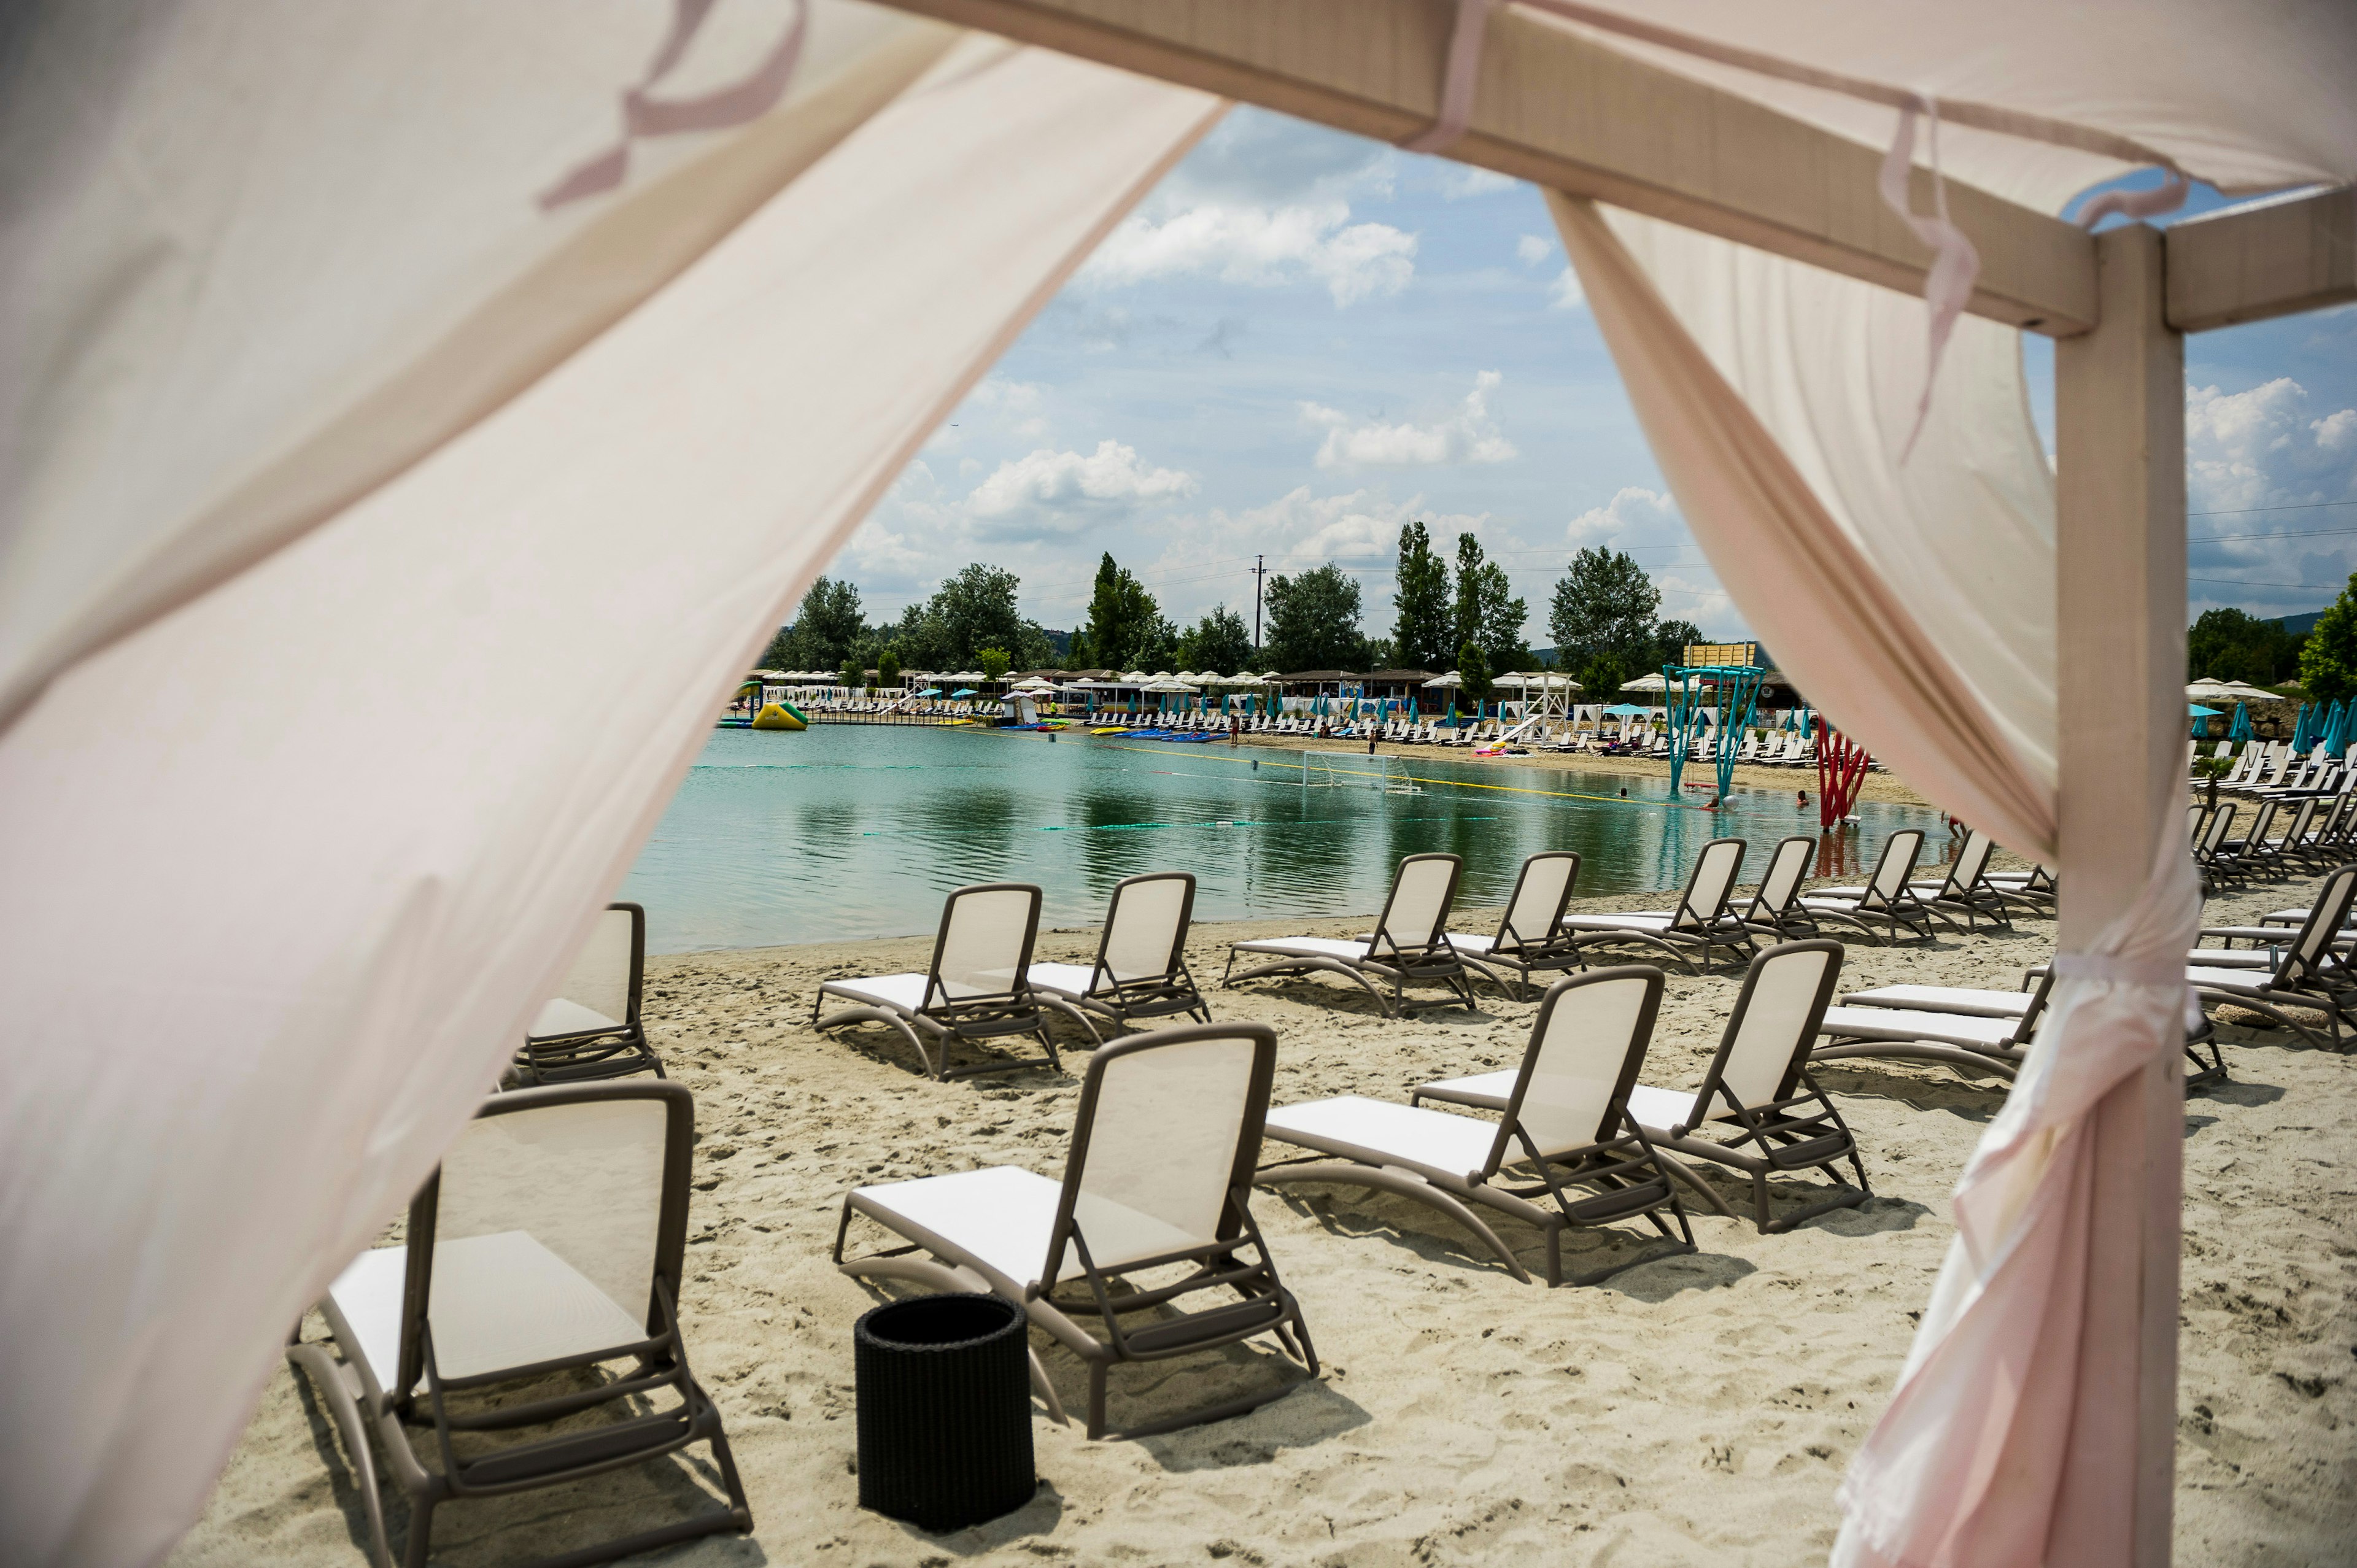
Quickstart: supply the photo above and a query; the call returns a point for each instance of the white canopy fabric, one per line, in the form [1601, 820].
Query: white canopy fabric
[1914, 600]
[320, 381]
[269, 939]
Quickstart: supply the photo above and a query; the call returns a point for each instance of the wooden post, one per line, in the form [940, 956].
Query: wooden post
[2120, 604]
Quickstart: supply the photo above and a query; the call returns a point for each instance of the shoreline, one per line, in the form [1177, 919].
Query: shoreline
[1462, 1418]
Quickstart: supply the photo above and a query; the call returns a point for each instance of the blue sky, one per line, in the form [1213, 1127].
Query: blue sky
[1302, 339]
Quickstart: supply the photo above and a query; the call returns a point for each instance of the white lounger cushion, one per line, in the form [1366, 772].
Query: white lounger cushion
[500, 1301]
[1945, 999]
[1072, 979]
[1896, 1024]
[1656, 1110]
[2216, 979]
[564, 1017]
[1434, 1144]
[1348, 949]
[2231, 958]
[1619, 922]
[904, 992]
[1002, 1216]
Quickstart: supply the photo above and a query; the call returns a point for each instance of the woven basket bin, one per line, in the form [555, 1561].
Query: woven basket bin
[944, 1410]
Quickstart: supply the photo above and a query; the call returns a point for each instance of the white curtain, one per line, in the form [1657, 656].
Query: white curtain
[285, 871]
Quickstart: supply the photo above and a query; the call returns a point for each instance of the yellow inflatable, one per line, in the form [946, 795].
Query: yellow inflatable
[779, 715]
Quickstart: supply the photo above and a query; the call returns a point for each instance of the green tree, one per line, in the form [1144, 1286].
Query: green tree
[2234, 645]
[1671, 638]
[1473, 670]
[974, 610]
[1423, 623]
[1219, 641]
[1125, 629]
[1601, 678]
[994, 662]
[1604, 604]
[1313, 621]
[2328, 665]
[888, 668]
[854, 674]
[1487, 610]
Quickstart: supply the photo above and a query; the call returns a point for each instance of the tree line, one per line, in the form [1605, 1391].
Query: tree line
[1462, 616]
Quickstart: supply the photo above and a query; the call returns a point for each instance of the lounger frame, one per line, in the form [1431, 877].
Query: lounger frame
[1122, 1001]
[584, 1055]
[1633, 1179]
[1799, 1130]
[659, 1363]
[1525, 953]
[1423, 958]
[947, 1020]
[1691, 930]
[1263, 1306]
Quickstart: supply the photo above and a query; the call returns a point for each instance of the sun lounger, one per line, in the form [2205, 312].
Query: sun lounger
[549, 1243]
[1757, 1089]
[1565, 1125]
[1141, 964]
[590, 1028]
[1966, 889]
[1775, 911]
[1987, 1041]
[2307, 975]
[1159, 1170]
[1928, 1005]
[1409, 945]
[1700, 924]
[1529, 938]
[1887, 897]
[974, 989]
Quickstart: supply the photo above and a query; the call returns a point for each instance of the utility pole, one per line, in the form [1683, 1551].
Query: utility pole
[1260, 570]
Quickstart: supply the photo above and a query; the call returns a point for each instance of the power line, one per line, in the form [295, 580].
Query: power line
[2246, 511]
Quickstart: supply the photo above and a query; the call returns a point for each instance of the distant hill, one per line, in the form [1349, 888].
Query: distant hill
[2300, 625]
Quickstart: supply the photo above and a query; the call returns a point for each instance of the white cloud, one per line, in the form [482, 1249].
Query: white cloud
[1564, 293]
[2259, 448]
[1460, 181]
[1261, 246]
[1266, 202]
[1532, 250]
[1047, 491]
[1469, 435]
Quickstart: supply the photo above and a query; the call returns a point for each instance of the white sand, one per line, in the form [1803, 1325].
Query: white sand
[1698, 1409]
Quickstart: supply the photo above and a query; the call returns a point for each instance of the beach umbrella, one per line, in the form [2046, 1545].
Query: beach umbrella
[2198, 711]
[964, 692]
[1449, 681]
[2240, 728]
[1653, 682]
[2336, 730]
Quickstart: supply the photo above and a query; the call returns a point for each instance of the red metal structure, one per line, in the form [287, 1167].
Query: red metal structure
[1841, 770]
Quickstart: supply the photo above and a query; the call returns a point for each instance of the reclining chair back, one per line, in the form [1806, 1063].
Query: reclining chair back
[600, 994]
[1415, 922]
[2215, 835]
[2306, 958]
[1541, 890]
[975, 983]
[1164, 1145]
[553, 1233]
[1776, 1016]
[1892, 872]
[1972, 859]
[1142, 955]
[1780, 889]
[1713, 881]
[1586, 1047]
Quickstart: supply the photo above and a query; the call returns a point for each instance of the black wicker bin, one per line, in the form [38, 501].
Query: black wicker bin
[944, 1410]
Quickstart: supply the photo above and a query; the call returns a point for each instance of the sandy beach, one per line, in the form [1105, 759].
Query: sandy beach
[1693, 1410]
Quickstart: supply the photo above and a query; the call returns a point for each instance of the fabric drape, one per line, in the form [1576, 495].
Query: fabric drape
[284, 872]
[1843, 624]
[260, 256]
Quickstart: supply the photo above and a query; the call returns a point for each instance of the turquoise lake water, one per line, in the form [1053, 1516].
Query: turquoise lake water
[849, 830]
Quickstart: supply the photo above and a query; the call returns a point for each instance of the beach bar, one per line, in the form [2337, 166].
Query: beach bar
[316, 372]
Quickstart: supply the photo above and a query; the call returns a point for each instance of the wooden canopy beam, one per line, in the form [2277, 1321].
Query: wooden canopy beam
[1564, 112]
[2268, 258]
